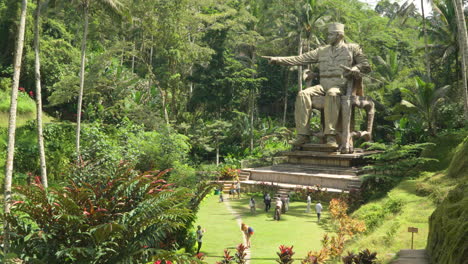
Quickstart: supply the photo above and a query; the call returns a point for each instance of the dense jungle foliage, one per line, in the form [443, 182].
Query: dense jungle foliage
[180, 85]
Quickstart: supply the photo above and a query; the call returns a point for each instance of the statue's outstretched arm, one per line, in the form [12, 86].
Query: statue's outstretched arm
[304, 59]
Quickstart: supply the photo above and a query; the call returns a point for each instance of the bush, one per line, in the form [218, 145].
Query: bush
[122, 218]
[101, 145]
[228, 173]
[373, 215]
[393, 205]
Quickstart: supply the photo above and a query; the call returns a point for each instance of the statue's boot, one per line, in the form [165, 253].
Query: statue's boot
[301, 140]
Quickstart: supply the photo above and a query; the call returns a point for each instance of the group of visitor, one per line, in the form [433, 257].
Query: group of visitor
[281, 207]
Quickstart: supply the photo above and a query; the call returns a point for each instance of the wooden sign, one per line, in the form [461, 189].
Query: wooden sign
[412, 230]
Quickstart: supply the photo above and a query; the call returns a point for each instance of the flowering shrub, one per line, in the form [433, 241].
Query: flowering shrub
[347, 227]
[364, 257]
[125, 218]
[228, 173]
[285, 254]
[240, 254]
[227, 258]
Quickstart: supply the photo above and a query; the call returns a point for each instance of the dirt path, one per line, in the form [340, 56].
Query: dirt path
[239, 222]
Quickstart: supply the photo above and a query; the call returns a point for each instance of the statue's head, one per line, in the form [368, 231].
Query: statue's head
[335, 33]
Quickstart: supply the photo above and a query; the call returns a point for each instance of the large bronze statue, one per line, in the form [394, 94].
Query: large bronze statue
[340, 65]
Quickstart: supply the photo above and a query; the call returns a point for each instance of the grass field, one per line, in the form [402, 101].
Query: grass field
[295, 228]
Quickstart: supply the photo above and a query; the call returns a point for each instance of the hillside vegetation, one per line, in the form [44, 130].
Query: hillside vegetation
[413, 201]
[448, 225]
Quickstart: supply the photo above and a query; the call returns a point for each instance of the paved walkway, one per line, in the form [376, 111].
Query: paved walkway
[239, 222]
[408, 256]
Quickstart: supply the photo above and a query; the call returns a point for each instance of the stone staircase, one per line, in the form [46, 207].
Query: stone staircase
[283, 192]
[244, 175]
[412, 256]
[314, 164]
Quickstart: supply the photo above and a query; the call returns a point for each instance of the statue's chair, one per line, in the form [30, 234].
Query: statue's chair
[354, 98]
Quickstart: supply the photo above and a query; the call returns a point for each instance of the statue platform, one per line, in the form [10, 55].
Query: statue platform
[314, 164]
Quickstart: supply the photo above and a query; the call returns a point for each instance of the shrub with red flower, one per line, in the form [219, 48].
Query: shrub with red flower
[227, 258]
[109, 215]
[241, 254]
[162, 262]
[285, 254]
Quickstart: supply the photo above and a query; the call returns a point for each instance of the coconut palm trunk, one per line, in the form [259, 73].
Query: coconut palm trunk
[37, 69]
[426, 47]
[463, 43]
[12, 123]
[82, 72]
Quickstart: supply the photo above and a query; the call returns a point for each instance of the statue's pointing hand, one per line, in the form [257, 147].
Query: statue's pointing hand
[271, 60]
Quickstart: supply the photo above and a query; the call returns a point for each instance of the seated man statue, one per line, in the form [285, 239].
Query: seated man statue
[337, 61]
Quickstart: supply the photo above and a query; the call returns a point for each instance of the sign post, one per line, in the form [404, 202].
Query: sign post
[412, 230]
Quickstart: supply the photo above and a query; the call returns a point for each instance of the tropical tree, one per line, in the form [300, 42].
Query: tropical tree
[463, 40]
[112, 6]
[12, 122]
[426, 47]
[218, 130]
[443, 34]
[424, 99]
[390, 67]
[37, 71]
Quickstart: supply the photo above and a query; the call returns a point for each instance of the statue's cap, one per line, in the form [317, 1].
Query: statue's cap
[336, 27]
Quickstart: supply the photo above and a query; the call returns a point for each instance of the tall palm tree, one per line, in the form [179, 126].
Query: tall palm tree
[424, 100]
[390, 67]
[37, 69]
[12, 121]
[463, 40]
[443, 34]
[112, 6]
[426, 47]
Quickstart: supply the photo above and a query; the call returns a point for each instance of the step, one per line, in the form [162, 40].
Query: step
[412, 256]
[306, 168]
[327, 158]
[319, 147]
[326, 180]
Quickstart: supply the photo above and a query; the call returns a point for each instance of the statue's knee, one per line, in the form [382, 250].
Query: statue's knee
[333, 92]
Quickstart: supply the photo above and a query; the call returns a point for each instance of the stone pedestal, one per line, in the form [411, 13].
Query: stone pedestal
[315, 164]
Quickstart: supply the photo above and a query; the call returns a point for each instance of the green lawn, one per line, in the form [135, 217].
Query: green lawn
[295, 228]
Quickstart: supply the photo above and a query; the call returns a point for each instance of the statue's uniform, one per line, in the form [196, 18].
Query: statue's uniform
[332, 82]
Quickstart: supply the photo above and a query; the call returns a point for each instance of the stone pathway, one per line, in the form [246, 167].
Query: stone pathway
[408, 256]
[239, 222]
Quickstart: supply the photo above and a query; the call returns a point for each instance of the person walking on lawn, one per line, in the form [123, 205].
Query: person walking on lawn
[309, 202]
[199, 235]
[267, 201]
[318, 209]
[238, 187]
[252, 205]
[279, 205]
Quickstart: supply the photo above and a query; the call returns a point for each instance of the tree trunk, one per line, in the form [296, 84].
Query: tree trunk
[82, 73]
[299, 68]
[426, 48]
[285, 110]
[251, 136]
[37, 69]
[217, 152]
[463, 39]
[12, 124]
